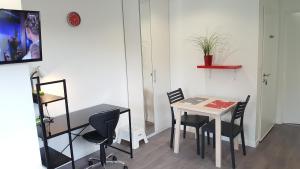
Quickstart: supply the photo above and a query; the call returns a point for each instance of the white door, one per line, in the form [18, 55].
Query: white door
[291, 36]
[269, 67]
[156, 61]
[161, 62]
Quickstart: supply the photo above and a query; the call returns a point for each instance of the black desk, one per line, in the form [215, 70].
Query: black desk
[64, 124]
[80, 119]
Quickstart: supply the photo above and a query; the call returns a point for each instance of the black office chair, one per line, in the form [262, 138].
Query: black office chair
[229, 129]
[105, 124]
[196, 121]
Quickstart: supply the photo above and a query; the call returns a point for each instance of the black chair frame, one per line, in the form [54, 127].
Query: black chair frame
[196, 121]
[105, 124]
[229, 129]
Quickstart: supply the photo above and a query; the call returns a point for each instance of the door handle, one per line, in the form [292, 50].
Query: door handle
[265, 80]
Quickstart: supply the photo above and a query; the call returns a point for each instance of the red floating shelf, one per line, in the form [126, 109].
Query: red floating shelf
[220, 67]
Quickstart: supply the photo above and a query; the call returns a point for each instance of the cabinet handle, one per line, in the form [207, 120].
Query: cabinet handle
[267, 75]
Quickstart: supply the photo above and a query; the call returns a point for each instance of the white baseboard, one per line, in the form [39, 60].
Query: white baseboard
[250, 143]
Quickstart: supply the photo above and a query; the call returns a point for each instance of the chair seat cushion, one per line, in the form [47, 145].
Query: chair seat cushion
[194, 120]
[227, 129]
[93, 137]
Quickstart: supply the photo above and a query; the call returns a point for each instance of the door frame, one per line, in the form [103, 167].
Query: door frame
[159, 124]
[259, 134]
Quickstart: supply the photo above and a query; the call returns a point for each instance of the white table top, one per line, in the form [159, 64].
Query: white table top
[190, 104]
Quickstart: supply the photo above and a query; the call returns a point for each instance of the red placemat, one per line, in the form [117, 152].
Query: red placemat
[219, 104]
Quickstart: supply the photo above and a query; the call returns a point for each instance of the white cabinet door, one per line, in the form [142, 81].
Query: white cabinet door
[161, 62]
[145, 19]
[154, 15]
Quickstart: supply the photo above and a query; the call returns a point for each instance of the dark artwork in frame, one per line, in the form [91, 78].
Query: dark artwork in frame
[20, 36]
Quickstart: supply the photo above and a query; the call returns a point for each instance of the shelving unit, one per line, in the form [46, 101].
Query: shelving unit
[50, 157]
[220, 67]
[60, 159]
[46, 98]
[234, 67]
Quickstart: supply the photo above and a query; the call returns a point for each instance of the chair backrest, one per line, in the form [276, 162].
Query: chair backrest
[239, 111]
[175, 96]
[105, 123]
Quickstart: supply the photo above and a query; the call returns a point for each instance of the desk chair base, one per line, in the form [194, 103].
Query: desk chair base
[98, 162]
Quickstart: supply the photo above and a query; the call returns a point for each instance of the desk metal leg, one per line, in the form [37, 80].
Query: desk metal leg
[68, 124]
[130, 133]
[45, 141]
[76, 135]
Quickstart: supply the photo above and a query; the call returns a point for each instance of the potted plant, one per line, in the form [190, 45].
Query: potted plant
[208, 44]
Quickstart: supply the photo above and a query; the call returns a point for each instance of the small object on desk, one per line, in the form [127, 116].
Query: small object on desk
[42, 93]
[38, 121]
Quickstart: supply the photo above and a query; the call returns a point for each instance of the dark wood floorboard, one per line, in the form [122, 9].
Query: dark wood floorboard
[279, 150]
[149, 127]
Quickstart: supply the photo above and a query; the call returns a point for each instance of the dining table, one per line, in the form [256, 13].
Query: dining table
[212, 107]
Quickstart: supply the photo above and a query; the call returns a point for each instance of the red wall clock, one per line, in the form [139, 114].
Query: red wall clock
[74, 19]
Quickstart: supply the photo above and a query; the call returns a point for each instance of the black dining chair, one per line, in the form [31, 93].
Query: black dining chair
[104, 124]
[196, 121]
[229, 129]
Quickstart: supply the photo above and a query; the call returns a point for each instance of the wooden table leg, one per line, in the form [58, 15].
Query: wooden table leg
[218, 142]
[177, 130]
[236, 143]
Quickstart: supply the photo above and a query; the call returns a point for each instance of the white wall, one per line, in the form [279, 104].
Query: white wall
[90, 57]
[238, 21]
[19, 143]
[288, 76]
[11, 4]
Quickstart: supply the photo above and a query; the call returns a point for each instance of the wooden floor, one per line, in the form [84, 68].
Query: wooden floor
[149, 127]
[279, 150]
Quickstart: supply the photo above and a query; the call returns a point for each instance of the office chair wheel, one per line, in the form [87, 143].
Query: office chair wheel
[125, 167]
[114, 158]
[90, 163]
